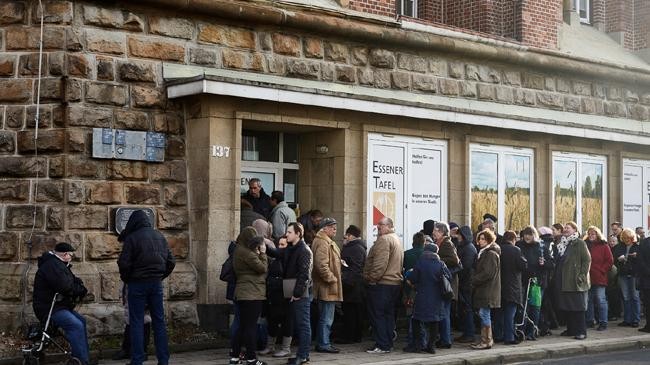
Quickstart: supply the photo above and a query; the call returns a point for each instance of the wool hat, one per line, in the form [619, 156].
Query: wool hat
[63, 247]
[490, 217]
[544, 230]
[453, 225]
[327, 222]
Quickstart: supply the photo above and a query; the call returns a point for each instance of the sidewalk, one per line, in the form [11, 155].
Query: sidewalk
[614, 339]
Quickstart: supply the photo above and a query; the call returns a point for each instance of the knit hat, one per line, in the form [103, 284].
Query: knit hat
[544, 230]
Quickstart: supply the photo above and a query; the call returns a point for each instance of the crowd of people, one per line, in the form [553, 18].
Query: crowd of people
[289, 273]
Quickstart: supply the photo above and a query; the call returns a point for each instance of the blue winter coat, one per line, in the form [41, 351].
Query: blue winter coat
[427, 279]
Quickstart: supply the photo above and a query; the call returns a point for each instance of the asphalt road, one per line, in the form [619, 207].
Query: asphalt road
[635, 357]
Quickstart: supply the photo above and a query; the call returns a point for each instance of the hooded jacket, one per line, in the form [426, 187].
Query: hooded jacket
[486, 283]
[146, 255]
[354, 255]
[54, 276]
[281, 216]
[467, 255]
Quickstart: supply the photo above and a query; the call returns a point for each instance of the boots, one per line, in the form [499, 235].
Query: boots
[486, 339]
[125, 351]
[270, 346]
[285, 350]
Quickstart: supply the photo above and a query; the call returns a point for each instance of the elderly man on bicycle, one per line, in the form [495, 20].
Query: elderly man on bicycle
[55, 276]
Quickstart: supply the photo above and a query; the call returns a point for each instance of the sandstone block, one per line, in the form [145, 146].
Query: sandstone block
[130, 119]
[614, 93]
[242, 60]
[102, 246]
[302, 69]
[182, 284]
[286, 44]
[345, 73]
[173, 171]
[8, 246]
[7, 65]
[87, 217]
[179, 244]
[381, 58]
[78, 65]
[105, 42]
[77, 140]
[467, 89]
[145, 97]
[327, 72]
[14, 191]
[598, 91]
[438, 67]
[588, 106]
[227, 36]
[550, 100]
[400, 80]
[49, 141]
[15, 91]
[56, 62]
[638, 112]
[12, 12]
[127, 170]
[336, 52]
[45, 241]
[456, 70]
[582, 88]
[89, 117]
[73, 90]
[563, 85]
[175, 147]
[365, 76]
[312, 47]
[22, 166]
[28, 38]
[111, 286]
[425, 83]
[645, 99]
[171, 27]
[549, 83]
[156, 49]
[202, 56]
[44, 117]
[56, 168]
[504, 94]
[412, 63]
[112, 18]
[7, 142]
[175, 218]
[533, 81]
[49, 191]
[449, 87]
[183, 314]
[75, 192]
[142, 194]
[28, 64]
[15, 118]
[359, 56]
[615, 109]
[381, 79]
[58, 12]
[512, 78]
[104, 93]
[486, 92]
[137, 71]
[83, 167]
[105, 69]
[104, 193]
[22, 216]
[572, 104]
[55, 219]
[631, 96]
[175, 194]
[276, 65]
[170, 122]
[265, 41]
[73, 38]
[51, 90]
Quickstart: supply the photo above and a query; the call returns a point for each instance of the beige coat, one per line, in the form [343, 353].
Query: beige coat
[384, 262]
[327, 269]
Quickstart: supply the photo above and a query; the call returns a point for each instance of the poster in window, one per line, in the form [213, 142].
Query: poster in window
[564, 190]
[592, 195]
[484, 180]
[517, 192]
[386, 185]
[633, 196]
[425, 193]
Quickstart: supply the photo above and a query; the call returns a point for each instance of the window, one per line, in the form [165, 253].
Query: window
[408, 8]
[636, 193]
[579, 189]
[501, 181]
[583, 8]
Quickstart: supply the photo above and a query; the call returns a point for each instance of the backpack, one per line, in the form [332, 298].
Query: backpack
[227, 271]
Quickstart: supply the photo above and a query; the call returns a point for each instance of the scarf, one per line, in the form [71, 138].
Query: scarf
[485, 248]
[564, 242]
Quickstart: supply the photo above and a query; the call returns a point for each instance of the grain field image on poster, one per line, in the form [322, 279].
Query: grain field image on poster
[517, 192]
[384, 203]
[564, 191]
[592, 195]
[484, 185]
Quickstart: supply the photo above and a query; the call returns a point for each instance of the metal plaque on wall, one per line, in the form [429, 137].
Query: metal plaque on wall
[128, 145]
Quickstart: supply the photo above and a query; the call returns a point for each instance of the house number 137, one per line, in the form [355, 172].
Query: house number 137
[220, 151]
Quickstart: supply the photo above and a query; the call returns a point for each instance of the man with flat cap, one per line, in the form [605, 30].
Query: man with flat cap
[489, 222]
[326, 275]
[144, 263]
[54, 275]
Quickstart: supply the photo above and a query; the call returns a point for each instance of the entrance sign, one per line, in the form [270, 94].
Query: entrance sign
[636, 193]
[407, 182]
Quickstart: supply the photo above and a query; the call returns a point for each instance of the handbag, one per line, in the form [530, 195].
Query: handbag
[535, 294]
[287, 288]
[447, 290]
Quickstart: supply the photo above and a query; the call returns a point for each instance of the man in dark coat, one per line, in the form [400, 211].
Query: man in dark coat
[513, 264]
[144, 263]
[54, 276]
[467, 255]
[643, 270]
[258, 198]
[353, 259]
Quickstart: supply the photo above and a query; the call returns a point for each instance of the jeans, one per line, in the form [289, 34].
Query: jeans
[325, 321]
[234, 329]
[74, 327]
[444, 327]
[466, 315]
[381, 312]
[150, 295]
[597, 300]
[300, 310]
[249, 312]
[484, 315]
[631, 302]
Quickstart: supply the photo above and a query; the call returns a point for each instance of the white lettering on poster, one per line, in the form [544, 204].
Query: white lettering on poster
[633, 195]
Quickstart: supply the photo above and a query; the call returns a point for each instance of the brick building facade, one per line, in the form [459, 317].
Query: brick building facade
[202, 73]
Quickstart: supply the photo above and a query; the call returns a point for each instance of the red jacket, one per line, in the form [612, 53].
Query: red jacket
[601, 261]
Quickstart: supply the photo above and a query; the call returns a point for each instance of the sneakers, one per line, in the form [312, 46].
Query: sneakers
[601, 327]
[377, 350]
[234, 361]
[297, 361]
[255, 362]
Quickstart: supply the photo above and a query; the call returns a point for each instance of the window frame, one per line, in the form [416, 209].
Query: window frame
[401, 8]
[587, 19]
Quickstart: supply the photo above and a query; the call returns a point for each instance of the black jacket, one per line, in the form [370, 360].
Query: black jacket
[145, 255]
[354, 255]
[261, 205]
[298, 264]
[628, 267]
[467, 254]
[643, 264]
[54, 276]
[532, 252]
[513, 264]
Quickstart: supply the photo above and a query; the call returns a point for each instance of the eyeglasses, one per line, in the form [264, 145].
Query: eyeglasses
[69, 254]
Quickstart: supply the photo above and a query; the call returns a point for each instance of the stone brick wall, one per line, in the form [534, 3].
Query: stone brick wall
[99, 70]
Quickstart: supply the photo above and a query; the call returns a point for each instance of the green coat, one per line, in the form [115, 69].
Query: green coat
[250, 269]
[575, 270]
[486, 282]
